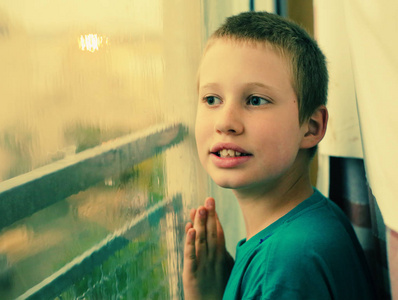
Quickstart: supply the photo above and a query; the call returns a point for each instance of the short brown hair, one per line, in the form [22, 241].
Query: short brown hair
[308, 64]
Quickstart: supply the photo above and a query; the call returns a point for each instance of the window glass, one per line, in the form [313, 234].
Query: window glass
[97, 101]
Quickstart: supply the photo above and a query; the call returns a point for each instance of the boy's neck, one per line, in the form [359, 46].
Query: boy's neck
[261, 209]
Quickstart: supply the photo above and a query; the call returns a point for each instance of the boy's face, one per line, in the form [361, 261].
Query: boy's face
[247, 127]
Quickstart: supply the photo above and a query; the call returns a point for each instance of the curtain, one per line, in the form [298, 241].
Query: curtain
[349, 189]
[358, 154]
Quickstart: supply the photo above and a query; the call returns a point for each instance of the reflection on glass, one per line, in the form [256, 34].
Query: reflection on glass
[92, 42]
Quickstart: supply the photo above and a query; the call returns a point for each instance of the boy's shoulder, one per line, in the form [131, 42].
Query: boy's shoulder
[315, 228]
[318, 226]
[316, 242]
[314, 233]
[310, 253]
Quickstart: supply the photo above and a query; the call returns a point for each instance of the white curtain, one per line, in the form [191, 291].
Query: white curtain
[361, 43]
[359, 38]
[372, 28]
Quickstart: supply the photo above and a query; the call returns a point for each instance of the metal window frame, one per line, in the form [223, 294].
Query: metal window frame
[55, 284]
[26, 194]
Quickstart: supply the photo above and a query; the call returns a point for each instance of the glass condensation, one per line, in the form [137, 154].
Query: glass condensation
[75, 75]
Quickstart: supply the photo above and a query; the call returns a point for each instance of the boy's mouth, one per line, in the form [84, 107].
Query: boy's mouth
[230, 153]
[228, 150]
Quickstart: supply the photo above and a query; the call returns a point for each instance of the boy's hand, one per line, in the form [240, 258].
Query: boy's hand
[207, 264]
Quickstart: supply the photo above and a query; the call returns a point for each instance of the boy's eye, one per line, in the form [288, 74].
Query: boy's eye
[212, 100]
[256, 101]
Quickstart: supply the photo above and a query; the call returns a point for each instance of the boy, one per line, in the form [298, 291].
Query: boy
[261, 113]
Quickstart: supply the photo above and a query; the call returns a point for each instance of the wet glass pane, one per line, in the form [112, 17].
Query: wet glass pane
[97, 157]
[75, 75]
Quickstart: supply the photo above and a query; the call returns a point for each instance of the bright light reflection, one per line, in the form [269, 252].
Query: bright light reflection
[92, 42]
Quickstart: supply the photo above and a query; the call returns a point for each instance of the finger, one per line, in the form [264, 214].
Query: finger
[211, 227]
[192, 214]
[188, 226]
[200, 227]
[190, 262]
[220, 236]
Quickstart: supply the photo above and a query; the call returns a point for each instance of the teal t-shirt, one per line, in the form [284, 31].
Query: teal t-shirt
[310, 253]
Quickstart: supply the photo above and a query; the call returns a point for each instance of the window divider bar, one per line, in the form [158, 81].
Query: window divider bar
[28, 193]
[55, 284]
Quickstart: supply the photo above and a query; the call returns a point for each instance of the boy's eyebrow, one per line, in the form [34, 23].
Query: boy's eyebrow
[258, 84]
[249, 84]
[208, 85]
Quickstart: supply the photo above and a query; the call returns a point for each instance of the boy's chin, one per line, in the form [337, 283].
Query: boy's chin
[245, 186]
[229, 184]
[224, 184]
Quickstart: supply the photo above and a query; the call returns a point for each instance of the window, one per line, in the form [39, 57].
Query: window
[98, 165]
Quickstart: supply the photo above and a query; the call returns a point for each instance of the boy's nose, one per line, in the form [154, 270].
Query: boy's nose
[229, 121]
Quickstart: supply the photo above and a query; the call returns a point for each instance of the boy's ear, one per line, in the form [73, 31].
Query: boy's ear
[315, 128]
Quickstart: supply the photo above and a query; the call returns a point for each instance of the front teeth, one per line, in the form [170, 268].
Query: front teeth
[229, 153]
